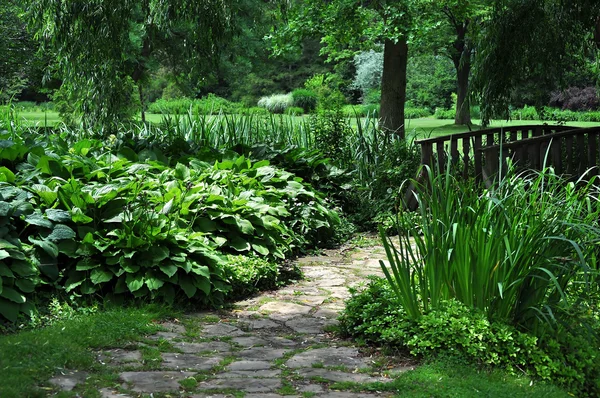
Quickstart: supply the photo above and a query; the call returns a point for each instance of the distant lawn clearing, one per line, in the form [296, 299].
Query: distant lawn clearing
[419, 128]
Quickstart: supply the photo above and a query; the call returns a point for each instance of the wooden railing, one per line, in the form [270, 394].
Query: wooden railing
[572, 153]
[468, 147]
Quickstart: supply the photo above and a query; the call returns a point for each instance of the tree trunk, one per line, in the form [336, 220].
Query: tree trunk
[463, 106]
[141, 92]
[393, 86]
[461, 57]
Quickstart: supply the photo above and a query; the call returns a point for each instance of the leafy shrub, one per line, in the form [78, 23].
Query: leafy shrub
[276, 103]
[372, 97]
[448, 114]
[377, 316]
[327, 87]
[576, 99]
[526, 113]
[415, 113]
[247, 275]
[294, 111]
[369, 70]
[209, 105]
[88, 221]
[305, 99]
[371, 110]
[516, 253]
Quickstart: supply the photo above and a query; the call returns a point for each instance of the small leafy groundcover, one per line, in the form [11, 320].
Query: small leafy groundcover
[86, 221]
[571, 361]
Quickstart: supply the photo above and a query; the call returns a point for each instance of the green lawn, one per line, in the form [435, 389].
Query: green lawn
[421, 128]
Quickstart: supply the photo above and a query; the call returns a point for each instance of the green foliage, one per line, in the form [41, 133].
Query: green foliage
[209, 105]
[294, 111]
[447, 114]
[276, 103]
[90, 221]
[327, 89]
[554, 114]
[370, 110]
[248, 275]
[305, 99]
[523, 252]
[117, 43]
[376, 315]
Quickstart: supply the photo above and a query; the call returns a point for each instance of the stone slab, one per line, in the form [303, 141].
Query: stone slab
[236, 374]
[195, 348]
[188, 361]
[68, 380]
[261, 353]
[220, 330]
[337, 376]
[154, 381]
[243, 384]
[309, 325]
[329, 356]
[248, 365]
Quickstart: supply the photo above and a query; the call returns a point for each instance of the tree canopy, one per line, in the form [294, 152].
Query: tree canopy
[104, 49]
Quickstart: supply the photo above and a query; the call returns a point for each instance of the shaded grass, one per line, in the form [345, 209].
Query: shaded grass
[450, 377]
[30, 358]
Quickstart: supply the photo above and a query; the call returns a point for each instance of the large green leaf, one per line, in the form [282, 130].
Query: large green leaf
[78, 216]
[205, 225]
[58, 215]
[186, 283]
[245, 226]
[3, 254]
[26, 285]
[61, 232]
[50, 248]
[260, 249]
[9, 309]
[48, 195]
[39, 220]
[202, 283]
[6, 175]
[239, 244]
[153, 282]
[100, 276]
[5, 271]
[201, 270]
[182, 172]
[11, 294]
[134, 282]
[168, 269]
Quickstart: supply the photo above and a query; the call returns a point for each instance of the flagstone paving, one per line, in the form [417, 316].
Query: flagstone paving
[273, 345]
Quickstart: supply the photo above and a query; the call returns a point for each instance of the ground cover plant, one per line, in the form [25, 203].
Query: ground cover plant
[505, 277]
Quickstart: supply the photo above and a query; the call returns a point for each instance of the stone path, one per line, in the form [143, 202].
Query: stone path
[276, 344]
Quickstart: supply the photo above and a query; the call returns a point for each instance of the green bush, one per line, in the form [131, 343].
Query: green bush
[372, 97]
[371, 110]
[554, 114]
[83, 219]
[377, 316]
[305, 99]
[209, 105]
[248, 275]
[276, 103]
[415, 113]
[294, 111]
[448, 114]
[526, 113]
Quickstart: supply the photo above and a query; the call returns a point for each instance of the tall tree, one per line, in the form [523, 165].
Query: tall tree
[105, 48]
[17, 50]
[349, 26]
[531, 40]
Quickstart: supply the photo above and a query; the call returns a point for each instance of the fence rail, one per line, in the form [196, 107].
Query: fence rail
[572, 153]
[468, 147]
